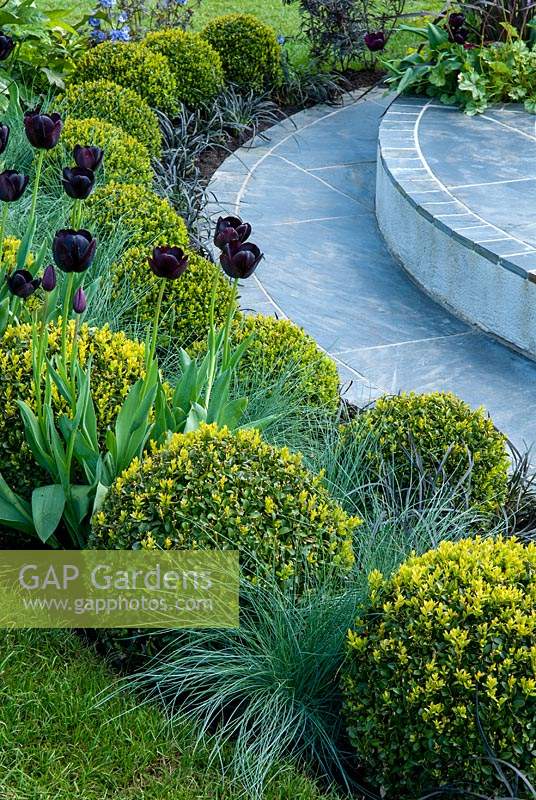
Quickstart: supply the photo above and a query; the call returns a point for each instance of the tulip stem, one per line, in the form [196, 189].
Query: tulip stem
[43, 341]
[67, 302]
[211, 341]
[152, 350]
[228, 323]
[37, 179]
[3, 221]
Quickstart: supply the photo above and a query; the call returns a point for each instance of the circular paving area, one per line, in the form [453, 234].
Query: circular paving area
[456, 202]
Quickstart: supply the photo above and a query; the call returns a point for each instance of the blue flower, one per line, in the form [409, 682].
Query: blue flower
[107, 3]
[281, 39]
[98, 35]
[123, 16]
[120, 34]
[182, 2]
[95, 22]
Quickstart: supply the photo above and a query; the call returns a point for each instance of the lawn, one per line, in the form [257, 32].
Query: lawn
[56, 741]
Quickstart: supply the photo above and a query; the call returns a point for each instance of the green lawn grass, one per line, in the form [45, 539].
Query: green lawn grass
[57, 743]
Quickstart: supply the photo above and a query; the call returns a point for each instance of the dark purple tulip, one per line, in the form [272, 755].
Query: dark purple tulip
[456, 21]
[4, 137]
[231, 229]
[43, 130]
[49, 279]
[6, 46]
[375, 40]
[79, 301]
[22, 284]
[88, 157]
[240, 260]
[168, 262]
[73, 251]
[78, 182]
[12, 185]
[459, 36]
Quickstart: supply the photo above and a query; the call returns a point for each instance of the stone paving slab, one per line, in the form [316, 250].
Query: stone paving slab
[309, 193]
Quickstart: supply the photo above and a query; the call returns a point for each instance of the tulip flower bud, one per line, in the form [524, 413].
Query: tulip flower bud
[375, 41]
[78, 182]
[12, 185]
[79, 301]
[73, 251]
[240, 260]
[4, 137]
[22, 284]
[43, 130]
[49, 279]
[168, 262]
[6, 46]
[88, 157]
[231, 229]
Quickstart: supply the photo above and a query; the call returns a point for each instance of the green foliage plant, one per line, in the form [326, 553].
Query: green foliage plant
[449, 439]
[122, 107]
[196, 65]
[133, 66]
[249, 50]
[451, 629]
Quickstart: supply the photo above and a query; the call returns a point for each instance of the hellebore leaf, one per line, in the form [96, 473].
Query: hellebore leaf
[436, 36]
[48, 503]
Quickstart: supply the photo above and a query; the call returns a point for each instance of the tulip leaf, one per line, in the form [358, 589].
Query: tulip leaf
[48, 503]
[15, 512]
[233, 412]
[132, 427]
[4, 315]
[196, 416]
[80, 498]
[34, 437]
[100, 495]
[436, 36]
[219, 397]
[26, 243]
[262, 423]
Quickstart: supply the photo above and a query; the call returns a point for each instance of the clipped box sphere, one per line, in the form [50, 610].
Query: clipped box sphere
[452, 625]
[143, 217]
[119, 106]
[133, 66]
[196, 66]
[282, 351]
[445, 431]
[249, 51]
[125, 159]
[215, 489]
[185, 303]
[117, 363]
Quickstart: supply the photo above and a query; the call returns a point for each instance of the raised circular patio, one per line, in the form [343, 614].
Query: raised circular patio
[456, 203]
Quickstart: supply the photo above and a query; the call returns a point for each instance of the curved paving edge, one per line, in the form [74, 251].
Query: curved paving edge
[309, 191]
[483, 272]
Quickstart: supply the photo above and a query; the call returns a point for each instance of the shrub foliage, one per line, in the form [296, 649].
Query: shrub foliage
[211, 488]
[195, 64]
[119, 106]
[133, 66]
[249, 50]
[448, 436]
[125, 159]
[186, 302]
[451, 626]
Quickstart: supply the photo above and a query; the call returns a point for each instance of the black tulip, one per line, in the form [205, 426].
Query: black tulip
[79, 301]
[240, 260]
[231, 229]
[168, 262]
[6, 46]
[456, 21]
[73, 251]
[375, 41]
[12, 185]
[78, 182]
[49, 279]
[459, 36]
[43, 130]
[22, 284]
[88, 157]
[4, 137]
